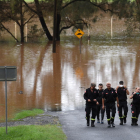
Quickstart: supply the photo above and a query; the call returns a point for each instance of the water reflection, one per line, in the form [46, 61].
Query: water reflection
[58, 81]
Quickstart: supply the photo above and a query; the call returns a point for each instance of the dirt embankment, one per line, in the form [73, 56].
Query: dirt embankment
[41, 119]
[101, 28]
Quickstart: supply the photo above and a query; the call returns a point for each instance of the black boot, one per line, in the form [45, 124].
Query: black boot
[124, 119]
[88, 122]
[92, 123]
[133, 122]
[102, 119]
[121, 121]
[112, 122]
[109, 125]
[113, 125]
[98, 121]
[136, 120]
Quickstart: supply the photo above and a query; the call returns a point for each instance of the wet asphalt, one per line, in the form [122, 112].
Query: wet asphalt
[74, 126]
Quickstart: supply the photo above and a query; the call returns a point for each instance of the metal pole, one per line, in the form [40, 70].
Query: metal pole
[80, 45]
[111, 27]
[6, 96]
[54, 26]
[88, 30]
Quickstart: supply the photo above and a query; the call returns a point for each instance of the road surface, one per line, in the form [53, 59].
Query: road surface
[74, 126]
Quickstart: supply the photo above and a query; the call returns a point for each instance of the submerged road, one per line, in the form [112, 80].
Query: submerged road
[74, 126]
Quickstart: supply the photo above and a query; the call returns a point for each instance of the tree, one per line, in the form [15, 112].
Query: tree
[78, 15]
[38, 11]
[70, 13]
[89, 6]
[61, 6]
[4, 18]
[15, 10]
[130, 11]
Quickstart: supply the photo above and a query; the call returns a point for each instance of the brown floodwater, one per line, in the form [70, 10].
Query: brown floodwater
[56, 82]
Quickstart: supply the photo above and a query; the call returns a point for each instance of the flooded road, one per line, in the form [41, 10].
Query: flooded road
[57, 81]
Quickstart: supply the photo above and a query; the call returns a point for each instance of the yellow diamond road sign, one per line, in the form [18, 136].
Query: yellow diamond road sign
[79, 33]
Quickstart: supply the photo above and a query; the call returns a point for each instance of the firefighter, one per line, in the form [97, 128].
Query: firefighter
[99, 107]
[122, 92]
[111, 96]
[135, 106]
[90, 96]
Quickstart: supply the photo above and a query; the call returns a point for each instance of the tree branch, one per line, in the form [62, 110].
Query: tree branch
[82, 21]
[138, 3]
[30, 7]
[95, 4]
[9, 32]
[67, 27]
[29, 19]
[100, 6]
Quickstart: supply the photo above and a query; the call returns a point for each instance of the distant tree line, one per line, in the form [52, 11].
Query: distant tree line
[70, 13]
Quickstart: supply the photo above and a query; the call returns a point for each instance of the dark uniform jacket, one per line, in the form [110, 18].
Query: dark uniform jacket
[91, 95]
[99, 99]
[122, 94]
[110, 95]
[136, 99]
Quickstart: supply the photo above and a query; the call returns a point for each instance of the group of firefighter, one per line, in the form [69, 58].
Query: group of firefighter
[105, 99]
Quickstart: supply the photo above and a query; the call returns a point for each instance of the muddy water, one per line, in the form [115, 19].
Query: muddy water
[58, 81]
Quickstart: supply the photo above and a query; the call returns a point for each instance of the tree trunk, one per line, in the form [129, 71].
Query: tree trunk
[21, 24]
[58, 27]
[42, 21]
[59, 8]
[22, 33]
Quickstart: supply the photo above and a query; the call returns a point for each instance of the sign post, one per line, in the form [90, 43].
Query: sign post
[80, 44]
[7, 73]
[79, 33]
[6, 97]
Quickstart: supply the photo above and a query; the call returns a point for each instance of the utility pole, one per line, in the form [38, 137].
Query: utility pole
[111, 26]
[54, 26]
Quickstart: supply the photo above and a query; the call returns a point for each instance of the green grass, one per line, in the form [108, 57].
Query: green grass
[27, 113]
[33, 132]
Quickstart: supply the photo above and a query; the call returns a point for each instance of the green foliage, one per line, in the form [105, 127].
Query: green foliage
[130, 11]
[129, 26]
[33, 132]
[79, 14]
[79, 10]
[15, 5]
[27, 113]
[132, 27]
[95, 19]
[35, 33]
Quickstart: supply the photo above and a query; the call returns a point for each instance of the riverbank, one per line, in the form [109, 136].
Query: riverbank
[41, 126]
[41, 119]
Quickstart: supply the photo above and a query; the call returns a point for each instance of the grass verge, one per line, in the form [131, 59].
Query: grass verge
[27, 113]
[33, 132]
